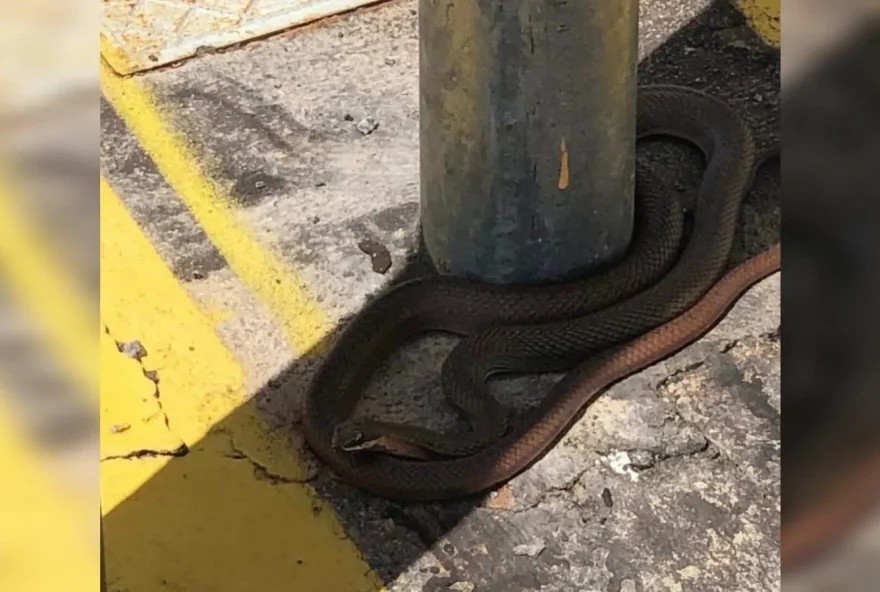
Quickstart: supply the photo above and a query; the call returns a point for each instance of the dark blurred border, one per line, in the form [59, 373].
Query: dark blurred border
[831, 291]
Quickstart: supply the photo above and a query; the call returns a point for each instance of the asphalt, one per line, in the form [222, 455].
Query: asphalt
[671, 479]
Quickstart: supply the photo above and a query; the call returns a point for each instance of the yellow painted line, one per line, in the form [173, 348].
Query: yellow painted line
[140, 300]
[233, 513]
[45, 291]
[48, 539]
[764, 18]
[275, 284]
[115, 57]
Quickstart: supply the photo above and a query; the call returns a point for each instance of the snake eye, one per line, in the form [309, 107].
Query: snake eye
[354, 439]
[347, 437]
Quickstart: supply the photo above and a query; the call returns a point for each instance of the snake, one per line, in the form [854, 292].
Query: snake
[658, 298]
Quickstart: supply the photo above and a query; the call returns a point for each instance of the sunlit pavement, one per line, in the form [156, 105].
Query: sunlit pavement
[236, 187]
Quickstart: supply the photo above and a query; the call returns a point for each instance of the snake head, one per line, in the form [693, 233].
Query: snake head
[349, 437]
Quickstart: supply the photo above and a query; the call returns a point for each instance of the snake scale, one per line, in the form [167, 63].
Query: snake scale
[659, 298]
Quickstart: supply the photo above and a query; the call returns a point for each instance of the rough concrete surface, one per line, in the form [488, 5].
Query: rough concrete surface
[671, 479]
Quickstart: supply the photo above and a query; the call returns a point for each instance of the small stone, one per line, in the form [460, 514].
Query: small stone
[606, 497]
[316, 219]
[134, 349]
[501, 499]
[367, 125]
[380, 258]
[641, 459]
[259, 184]
[390, 61]
[119, 428]
[462, 586]
[531, 549]
[620, 463]
[628, 586]
[198, 275]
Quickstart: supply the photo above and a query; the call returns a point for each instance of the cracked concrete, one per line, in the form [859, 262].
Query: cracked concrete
[139, 427]
[146, 453]
[264, 468]
[670, 479]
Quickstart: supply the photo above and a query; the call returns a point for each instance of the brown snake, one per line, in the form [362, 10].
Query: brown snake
[654, 302]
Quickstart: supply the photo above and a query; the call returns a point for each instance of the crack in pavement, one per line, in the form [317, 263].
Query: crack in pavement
[707, 449]
[136, 351]
[182, 450]
[726, 347]
[261, 471]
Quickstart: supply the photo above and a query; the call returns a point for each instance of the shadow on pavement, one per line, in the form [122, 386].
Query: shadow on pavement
[708, 53]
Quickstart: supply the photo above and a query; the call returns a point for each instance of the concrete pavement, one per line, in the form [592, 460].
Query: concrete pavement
[247, 174]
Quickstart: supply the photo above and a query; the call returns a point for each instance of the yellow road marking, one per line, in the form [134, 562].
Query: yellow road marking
[231, 514]
[46, 293]
[276, 285]
[764, 17]
[140, 423]
[140, 300]
[47, 537]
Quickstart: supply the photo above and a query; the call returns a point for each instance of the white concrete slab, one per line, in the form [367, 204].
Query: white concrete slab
[142, 34]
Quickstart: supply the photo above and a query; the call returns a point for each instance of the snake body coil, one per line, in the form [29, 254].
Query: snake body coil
[654, 302]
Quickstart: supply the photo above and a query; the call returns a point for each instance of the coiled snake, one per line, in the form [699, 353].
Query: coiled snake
[657, 299]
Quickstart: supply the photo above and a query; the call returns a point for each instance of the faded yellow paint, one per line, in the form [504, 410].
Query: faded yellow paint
[219, 313]
[48, 539]
[275, 284]
[115, 57]
[563, 166]
[40, 285]
[764, 18]
[233, 514]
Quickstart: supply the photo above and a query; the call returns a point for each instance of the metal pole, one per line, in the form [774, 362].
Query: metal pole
[527, 111]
